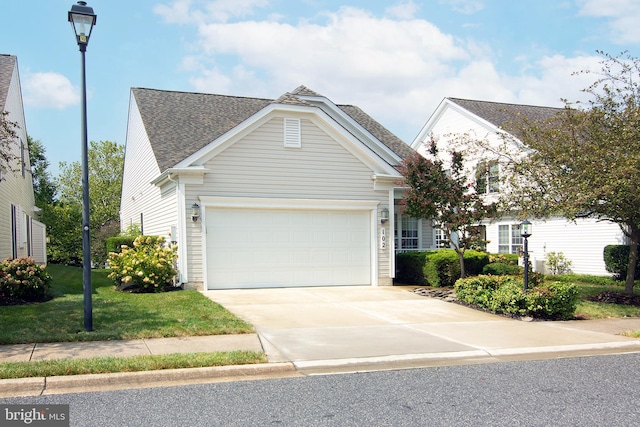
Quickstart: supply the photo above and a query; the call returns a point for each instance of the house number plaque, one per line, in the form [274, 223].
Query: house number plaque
[383, 238]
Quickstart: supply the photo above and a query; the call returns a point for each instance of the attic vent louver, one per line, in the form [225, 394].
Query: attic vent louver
[292, 137]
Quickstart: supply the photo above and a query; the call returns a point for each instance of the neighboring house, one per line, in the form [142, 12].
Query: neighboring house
[261, 192]
[21, 235]
[581, 242]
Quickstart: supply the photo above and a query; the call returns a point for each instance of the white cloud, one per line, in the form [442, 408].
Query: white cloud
[181, 12]
[396, 69]
[49, 90]
[403, 10]
[623, 14]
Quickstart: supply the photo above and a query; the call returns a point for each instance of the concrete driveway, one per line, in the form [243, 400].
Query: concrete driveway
[338, 327]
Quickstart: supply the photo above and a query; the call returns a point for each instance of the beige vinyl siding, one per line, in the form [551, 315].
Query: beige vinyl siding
[139, 196]
[14, 188]
[260, 166]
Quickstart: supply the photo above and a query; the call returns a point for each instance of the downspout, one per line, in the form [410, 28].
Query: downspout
[183, 275]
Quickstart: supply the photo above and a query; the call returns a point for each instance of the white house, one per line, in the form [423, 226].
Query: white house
[21, 235]
[263, 193]
[581, 242]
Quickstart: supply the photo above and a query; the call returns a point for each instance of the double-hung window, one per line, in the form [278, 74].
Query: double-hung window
[509, 239]
[406, 232]
[488, 177]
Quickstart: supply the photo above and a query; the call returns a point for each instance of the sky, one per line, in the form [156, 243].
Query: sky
[395, 59]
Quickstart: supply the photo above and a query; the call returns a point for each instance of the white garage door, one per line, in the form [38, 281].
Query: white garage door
[277, 248]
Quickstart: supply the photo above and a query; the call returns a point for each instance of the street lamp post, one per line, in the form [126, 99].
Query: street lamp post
[525, 232]
[82, 20]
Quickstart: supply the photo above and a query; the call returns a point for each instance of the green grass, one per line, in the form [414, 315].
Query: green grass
[116, 315]
[103, 365]
[589, 285]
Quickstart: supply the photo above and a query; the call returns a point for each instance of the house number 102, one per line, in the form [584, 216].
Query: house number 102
[383, 238]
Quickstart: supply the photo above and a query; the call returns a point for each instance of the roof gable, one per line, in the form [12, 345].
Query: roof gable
[494, 116]
[179, 124]
[7, 65]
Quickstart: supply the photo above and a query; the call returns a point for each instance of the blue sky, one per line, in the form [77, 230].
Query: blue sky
[395, 59]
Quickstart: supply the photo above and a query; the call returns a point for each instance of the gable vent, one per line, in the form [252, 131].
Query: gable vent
[292, 133]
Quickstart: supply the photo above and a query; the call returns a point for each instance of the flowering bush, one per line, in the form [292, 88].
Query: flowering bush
[21, 280]
[147, 267]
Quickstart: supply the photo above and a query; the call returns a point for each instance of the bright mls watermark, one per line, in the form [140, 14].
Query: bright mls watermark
[34, 415]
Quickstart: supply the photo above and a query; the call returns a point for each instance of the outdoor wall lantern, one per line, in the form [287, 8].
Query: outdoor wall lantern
[195, 212]
[525, 232]
[384, 215]
[82, 20]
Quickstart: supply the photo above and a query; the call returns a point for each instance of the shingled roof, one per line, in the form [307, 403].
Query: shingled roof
[180, 123]
[7, 64]
[506, 116]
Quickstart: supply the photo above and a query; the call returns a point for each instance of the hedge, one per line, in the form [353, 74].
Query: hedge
[114, 244]
[437, 268]
[503, 294]
[616, 260]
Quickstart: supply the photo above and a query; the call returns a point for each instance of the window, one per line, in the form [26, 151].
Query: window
[408, 230]
[440, 241]
[509, 239]
[292, 136]
[488, 177]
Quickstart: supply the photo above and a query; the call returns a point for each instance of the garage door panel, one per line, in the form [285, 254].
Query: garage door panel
[269, 247]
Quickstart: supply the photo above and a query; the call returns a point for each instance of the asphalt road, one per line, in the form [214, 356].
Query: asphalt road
[590, 391]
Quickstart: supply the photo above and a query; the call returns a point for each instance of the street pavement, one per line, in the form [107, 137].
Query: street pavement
[306, 331]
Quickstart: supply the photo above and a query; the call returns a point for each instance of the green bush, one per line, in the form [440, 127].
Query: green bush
[22, 280]
[554, 300]
[114, 244]
[503, 294]
[410, 267]
[616, 260]
[474, 262]
[148, 266]
[442, 268]
[437, 268]
[557, 263]
[510, 259]
[501, 269]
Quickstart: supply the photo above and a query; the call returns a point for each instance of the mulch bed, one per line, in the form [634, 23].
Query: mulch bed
[613, 297]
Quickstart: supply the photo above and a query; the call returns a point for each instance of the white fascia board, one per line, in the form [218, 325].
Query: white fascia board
[228, 138]
[386, 182]
[187, 175]
[344, 120]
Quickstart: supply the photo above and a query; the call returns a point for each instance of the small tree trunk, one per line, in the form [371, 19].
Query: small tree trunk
[461, 258]
[633, 260]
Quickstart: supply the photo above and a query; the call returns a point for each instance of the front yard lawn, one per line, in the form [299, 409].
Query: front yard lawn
[116, 315]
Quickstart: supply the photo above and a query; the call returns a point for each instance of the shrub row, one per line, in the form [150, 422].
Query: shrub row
[616, 259]
[437, 268]
[503, 294]
[23, 280]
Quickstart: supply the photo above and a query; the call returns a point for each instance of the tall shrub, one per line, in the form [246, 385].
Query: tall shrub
[147, 267]
[22, 279]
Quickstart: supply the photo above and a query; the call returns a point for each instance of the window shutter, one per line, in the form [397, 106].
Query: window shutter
[292, 133]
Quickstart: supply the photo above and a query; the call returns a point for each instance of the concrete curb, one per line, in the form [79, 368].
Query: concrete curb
[144, 379]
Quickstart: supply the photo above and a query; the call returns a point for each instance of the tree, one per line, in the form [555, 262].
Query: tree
[44, 187]
[585, 161]
[106, 163]
[7, 139]
[443, 195]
